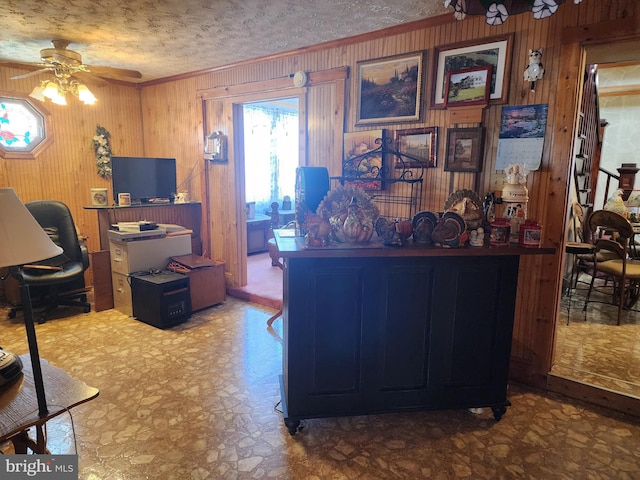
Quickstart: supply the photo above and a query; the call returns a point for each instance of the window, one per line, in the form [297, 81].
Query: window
[23, 128]
[271, 151]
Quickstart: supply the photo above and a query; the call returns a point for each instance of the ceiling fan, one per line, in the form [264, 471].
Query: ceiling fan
[66, 63]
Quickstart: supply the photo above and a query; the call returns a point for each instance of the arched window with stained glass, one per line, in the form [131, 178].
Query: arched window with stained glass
[23, 128]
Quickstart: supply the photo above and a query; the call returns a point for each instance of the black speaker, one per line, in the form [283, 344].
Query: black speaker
[312, 184]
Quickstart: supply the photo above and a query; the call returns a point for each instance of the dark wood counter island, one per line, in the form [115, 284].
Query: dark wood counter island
[374, 329]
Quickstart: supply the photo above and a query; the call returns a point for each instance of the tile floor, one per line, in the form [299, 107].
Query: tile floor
[200, 401]
[592, 349]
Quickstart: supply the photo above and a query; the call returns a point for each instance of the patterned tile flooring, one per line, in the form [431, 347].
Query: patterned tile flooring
[200, 401]
[591, 348]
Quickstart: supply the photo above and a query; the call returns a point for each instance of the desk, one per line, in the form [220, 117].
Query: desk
[19, 405]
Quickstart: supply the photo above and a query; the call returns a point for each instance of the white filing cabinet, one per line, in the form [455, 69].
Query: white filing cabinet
[140, 255]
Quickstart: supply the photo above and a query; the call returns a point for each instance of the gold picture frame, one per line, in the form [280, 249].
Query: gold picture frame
[389, 89]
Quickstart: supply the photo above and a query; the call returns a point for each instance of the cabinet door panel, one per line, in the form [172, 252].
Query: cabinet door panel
[471, 330]
[406, 292]
[328, 306]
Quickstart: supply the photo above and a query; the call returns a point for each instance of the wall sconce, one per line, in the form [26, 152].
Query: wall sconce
[215, 147]
[534, 70]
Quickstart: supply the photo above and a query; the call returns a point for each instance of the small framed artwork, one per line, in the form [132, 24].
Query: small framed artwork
[468, 87]
[420, 145]
[363, 161]
[494, 51]
[465, 148]
[389, 90]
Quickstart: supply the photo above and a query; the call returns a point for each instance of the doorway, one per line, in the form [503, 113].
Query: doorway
[271, 156]
[590, 348]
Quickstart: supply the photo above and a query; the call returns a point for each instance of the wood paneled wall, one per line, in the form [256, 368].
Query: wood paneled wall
[166, 120]
[66, 170]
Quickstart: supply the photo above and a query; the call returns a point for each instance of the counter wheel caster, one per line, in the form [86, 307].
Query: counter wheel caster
[293, 426]
[498, 412]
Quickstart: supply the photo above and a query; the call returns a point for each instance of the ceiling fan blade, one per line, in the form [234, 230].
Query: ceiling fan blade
[31, 74]
[111, 72]
[90, 79]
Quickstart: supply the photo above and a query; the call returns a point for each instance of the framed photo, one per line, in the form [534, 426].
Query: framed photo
[468, 87]
[495, 51]
[421, 146]
[363, 161]
[465, 148]
[389, 90]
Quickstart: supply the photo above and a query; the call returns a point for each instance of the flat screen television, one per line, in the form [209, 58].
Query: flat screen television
[144, 178]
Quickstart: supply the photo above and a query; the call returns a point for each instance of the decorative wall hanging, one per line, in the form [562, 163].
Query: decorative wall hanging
[495, 51]
[534, 70]
[498, 11]
[419, 143]
[468, 87]
[363, 162]
[465, 147]
[102, 149]
[389, 90]
[522, 130]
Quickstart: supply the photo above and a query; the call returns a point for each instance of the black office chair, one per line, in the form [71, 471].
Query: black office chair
[59, 280]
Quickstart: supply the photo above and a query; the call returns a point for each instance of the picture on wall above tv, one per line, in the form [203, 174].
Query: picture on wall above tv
[146, 179]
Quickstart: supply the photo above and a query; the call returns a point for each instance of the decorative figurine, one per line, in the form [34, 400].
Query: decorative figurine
[515, 198]
[534, 70]
[616, 204]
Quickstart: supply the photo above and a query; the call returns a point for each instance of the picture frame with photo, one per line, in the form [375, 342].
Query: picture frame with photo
[465, 149]
[468, 87]
[495, 51]
[363, 162]
[418, 147]
[389, 89]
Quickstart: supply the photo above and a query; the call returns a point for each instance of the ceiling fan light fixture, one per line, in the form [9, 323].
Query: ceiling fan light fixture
[38, 92]
[51, 90]
[85, 95]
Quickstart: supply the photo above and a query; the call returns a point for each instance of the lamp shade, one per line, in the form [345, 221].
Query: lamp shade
[22, 239]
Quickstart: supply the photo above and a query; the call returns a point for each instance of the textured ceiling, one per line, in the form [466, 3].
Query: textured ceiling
[165, 38]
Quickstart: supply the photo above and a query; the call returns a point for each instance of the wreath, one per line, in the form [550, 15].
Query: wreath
[102, 149]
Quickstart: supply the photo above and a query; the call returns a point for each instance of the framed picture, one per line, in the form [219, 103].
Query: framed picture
[465, 147]
[468, 87]
[363, 161]
[421, 146]
[495, 51]
[389, 90]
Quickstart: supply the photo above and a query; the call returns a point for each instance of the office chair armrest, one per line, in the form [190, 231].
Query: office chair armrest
[85, 255]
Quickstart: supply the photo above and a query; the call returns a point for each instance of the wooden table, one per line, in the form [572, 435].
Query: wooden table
[19, 405]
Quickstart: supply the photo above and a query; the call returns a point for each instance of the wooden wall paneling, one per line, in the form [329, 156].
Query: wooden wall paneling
[66, 169]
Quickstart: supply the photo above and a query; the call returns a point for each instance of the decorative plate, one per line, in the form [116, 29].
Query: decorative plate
[423, 225]
[468, 205]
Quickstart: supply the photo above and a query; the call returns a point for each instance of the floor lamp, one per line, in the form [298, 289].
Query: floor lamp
[23, 241]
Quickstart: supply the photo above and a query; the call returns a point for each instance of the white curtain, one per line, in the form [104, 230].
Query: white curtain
[271, 155]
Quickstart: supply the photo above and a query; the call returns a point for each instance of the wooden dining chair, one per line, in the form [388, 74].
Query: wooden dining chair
[624, 271]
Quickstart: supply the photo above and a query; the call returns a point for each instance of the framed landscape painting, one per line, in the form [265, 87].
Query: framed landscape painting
[468, 87]
[421, 144]
[495, 51]
[465, 147]
[389, 90]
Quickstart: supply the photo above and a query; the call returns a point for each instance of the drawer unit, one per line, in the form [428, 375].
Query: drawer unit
[122, 293]
[145, 255]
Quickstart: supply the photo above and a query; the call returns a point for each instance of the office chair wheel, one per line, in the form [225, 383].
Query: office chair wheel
[87, 309]
[12, 313]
